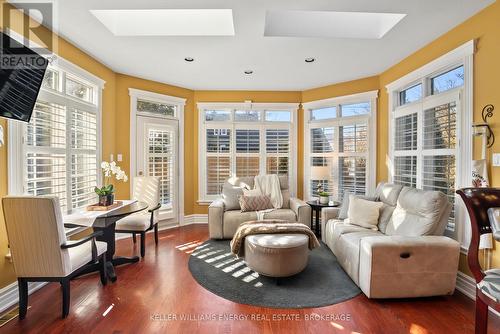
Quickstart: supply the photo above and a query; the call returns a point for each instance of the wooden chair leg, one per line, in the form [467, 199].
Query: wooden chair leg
[102, 269]
[134, 238]
[65, 284]
[143, 244]
[156, 234]
[481, 316]
[23, 297]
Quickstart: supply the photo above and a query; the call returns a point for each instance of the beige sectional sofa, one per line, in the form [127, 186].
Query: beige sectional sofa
[408, 256]
[223, 221]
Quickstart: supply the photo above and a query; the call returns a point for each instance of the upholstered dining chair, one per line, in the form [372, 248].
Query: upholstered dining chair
[40, 250]
[480, 202]
[145, 189]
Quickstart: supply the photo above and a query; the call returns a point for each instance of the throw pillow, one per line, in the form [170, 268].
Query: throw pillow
[230, 196]
[344, 208]
[364, 213]
[255, 203]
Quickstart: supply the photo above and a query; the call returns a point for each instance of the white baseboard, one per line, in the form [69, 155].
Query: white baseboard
[196, 219]
[467, 286]
[9, 295]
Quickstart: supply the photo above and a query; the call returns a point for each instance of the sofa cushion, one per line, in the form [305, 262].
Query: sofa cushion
[283, 214]
[286, 199]
[346, 249]
[335, 228]
[344, 208]
[233, 219]
[386, 212]
[364, 213]
[418, 212]
[388, 193]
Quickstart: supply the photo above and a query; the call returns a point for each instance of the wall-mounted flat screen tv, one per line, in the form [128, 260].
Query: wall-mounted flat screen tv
[21, 76]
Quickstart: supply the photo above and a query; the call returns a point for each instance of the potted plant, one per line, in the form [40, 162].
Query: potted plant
[324, 197]
[106, 192]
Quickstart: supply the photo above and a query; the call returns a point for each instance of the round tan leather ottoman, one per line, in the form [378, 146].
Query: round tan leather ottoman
[277, 255]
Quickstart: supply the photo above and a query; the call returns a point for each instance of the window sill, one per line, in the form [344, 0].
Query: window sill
[204, 202]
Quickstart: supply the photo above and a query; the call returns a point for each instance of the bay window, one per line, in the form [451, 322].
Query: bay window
[244, 140]
[340, 145]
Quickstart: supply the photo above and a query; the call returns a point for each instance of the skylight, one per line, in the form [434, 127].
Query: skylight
[167, 22]
[329, 24]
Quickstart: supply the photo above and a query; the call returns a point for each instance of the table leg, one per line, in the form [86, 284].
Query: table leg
[108, 237]
[318, 212]
[312, 218]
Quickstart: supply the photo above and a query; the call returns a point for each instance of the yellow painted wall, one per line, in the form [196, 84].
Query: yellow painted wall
[77, 57]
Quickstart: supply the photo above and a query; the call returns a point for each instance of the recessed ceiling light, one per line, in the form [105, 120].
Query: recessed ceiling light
[167, 22]
[189, 59]
[309, 60]
[248, 72]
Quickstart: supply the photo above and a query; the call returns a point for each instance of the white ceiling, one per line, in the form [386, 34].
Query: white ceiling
[277, 62]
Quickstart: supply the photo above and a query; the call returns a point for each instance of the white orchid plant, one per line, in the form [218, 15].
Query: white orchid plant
[110, 170]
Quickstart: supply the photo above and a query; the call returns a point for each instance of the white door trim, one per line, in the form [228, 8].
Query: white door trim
[179, 103]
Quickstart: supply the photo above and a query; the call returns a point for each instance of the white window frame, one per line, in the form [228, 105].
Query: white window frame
[261, 124]
[179, 103]
[17, 129]
[461, 56]
[370, 119]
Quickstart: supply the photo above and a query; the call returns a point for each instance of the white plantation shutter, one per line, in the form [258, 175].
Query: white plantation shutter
[322, 147]
[353, 138]
[405, 171]
[439, 154]
[247, 152]
[353, 148]
[160, 155]
[277, 151]
[352, 176]
[59, 150]
[405, 143]
[218, 159]
[406, 132]
[430, 161]
[83, 157]
[45, 147]
[322, 140]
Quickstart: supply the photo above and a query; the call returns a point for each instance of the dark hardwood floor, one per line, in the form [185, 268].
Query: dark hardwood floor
[161, 286]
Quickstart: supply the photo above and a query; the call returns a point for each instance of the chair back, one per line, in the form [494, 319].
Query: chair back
[35, 231]
[147, 189]
[478, 201]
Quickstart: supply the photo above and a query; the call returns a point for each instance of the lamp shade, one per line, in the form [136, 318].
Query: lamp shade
[320, 173]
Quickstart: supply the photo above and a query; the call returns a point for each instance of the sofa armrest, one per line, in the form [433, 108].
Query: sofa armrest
[329, 213]
[399, 266]
[216, 219]
[326, 215]
[302, 211]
